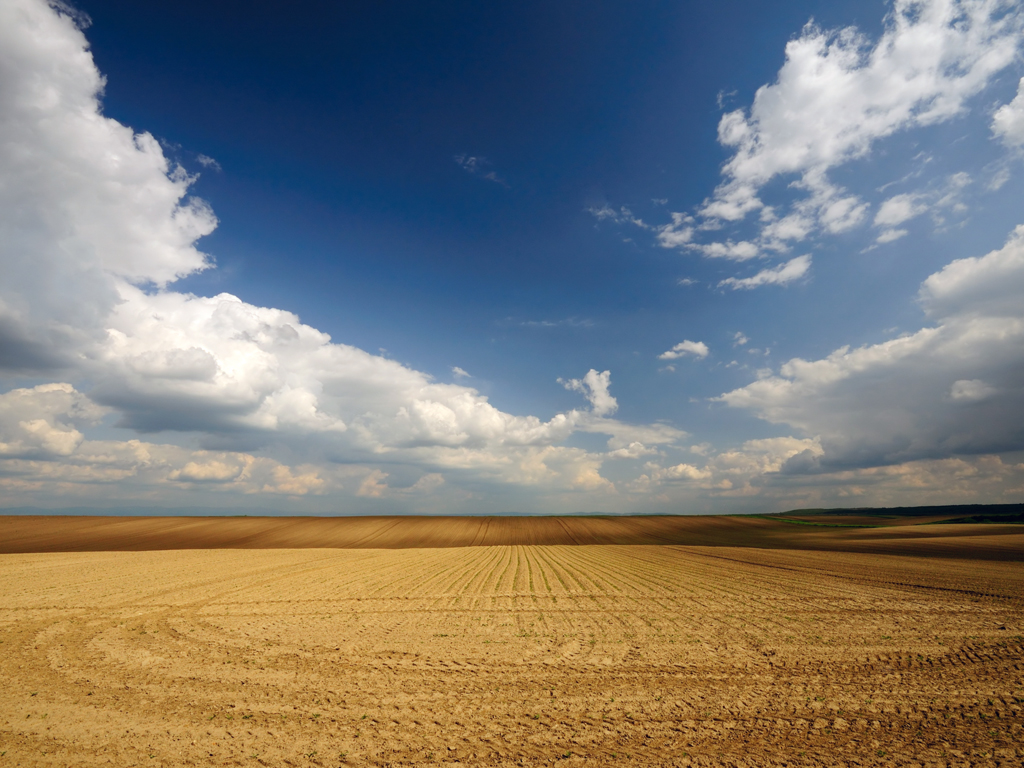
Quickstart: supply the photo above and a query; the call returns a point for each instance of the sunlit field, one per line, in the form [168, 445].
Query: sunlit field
[512, 655]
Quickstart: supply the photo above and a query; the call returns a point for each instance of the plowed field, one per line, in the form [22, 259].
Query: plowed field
[509, 655]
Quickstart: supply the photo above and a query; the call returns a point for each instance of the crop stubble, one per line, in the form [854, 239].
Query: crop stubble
[509, 655]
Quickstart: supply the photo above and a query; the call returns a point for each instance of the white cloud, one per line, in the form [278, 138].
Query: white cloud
[784, 274]
[594, 386]
[777, 232]
[634, 450]
[87, 202]
[838, 93]
[891, 235]
[979, 286]
[734, 472]
[211, 470]
[899, 209]
[683, 472]
[42, 422]
[739, 339]
[696, 348]
[766, 474]
[678, 233]
[459, 373]
[741, 251]
[836, 96]
[954, 388]
[1008, 120]
[41, 443]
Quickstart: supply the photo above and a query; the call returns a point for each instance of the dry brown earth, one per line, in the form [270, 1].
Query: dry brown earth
[829, 533]
[519, 655]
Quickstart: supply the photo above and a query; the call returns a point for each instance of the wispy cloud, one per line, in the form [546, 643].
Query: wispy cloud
[784, 274]
[902, 208]
[478, 166]
[208, 162]
[566, 322]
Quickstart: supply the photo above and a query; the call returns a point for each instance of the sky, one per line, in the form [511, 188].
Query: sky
[532, 258]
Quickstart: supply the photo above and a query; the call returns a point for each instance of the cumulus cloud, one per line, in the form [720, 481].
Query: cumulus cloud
[740, 251]
[212, 470]
[734, 472]
[42, 445]
[953, 388]
[696, 348]
[634, 450]
[678, 233]
[784, 274]
[42, 422]
[594, 386]
[838, 93]
[1008, 120]
[761, 475]
[88, 203]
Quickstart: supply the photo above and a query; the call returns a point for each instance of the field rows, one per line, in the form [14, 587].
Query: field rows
[648, 655]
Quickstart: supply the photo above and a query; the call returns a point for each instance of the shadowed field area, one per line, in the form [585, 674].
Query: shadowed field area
[905, 534]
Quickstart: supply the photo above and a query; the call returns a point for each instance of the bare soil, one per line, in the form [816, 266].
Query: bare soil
[540, 654]
[902, 535]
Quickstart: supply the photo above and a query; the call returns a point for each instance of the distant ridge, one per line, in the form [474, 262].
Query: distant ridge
[960, 510]
[983, 535]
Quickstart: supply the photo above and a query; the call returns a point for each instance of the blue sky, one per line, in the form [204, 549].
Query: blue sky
[616, 257]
